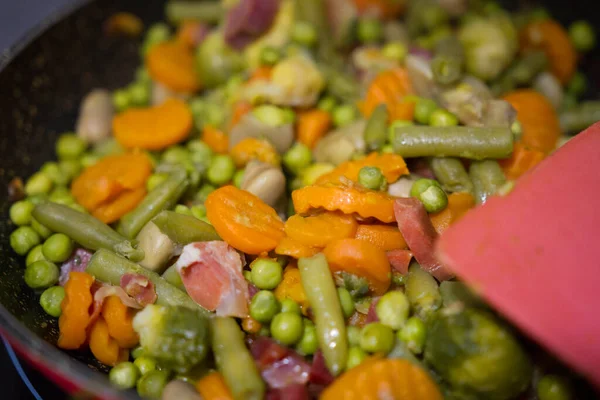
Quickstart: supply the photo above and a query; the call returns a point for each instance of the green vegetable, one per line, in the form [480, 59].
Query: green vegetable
[297, 157]
[582, 36]
[421, 185]
[413, 334]
[216, 61]
[175, 155]
[20, 212]
[24, 239]
[270, 56]
[423, 110]
[396, 51]
[69, 146]
[553, 387]
[238, 178]
[369, 30]
[124, 375]
[434, 199]
[57, 248]
[522, 72]
[38, 183]
[137, 352]
[457, 141]
[51, 300]
[52, 170]
[377, 338]
[304, 34]
[353, 333]
[156, 34]
[70, 168]
[121, 99]
[234, 360]
[343, 115]
[357, 286]
[327, 103]
[34, 255]
[346, 302]
[578, 84]
[422, 292]
[139, 93]
[448, 63]
[178, 11]
[172, 276]
[264, 306]
[144, 363]
[200, 149]
[286, 327]
[392, 309]
[84, 229]
[457, 292]
[441, 117]
[61, 195]
[580, 117]
[476, 355]
[356, 355]
[308, 343]
[266, 273]
[184, 229]
[41, 274]
[155, 180]
[487, 178]
[177, 337]
[221, 169]
[289, 305]
[451, 174]
[372, 178]
[152, 384]
[376, 130]
[328, 316]
[40, 229]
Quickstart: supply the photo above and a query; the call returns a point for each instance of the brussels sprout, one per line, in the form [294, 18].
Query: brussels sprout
[216, 62]
[476, 356]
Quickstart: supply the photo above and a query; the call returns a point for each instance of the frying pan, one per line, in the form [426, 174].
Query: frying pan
[42, 81]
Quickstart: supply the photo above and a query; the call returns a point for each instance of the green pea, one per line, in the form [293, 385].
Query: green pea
[200, 151]
[441, 117]
[270, 56]
[353, 333]
[69, 146]
[270, 115]
[124, 375]
[142, 75]
[517, 130]
[421, 185]
[24, 239]
[396, 51]
[53, 171]
[137, 352]
[38, 198]
[577, 85]
[287, 328]
[220, 170]
[58, 247]
[204, 191]
[304, 33]
[238, 178]
[297, 157]
[413, 334]
[248, 275]
[346, 302]
[51, 300]
[156, 179]
[156, 34]
[41, 274]
[582, 36]
[152, 384]
[61, 196]
[423, 110]
[343, 115]
[553, 387]
[139, 93]
[145, 364]
[396, 124]
[369, 30]
[264, 331]
[34, 255]
[181, 209]
[327, 103]
[121, 99]
[175, 155]
[289, 115]
[76, 207]
[392, 309]
[377, 338]
[289, 305]
[264, 306]
[38, 183]
[70, 168]
[387, 149]
[356, 356]
[198, 211]
[434, 199]
[266, 273]
[308, 343]
[371, 178]
[398, 279]
[20, 212]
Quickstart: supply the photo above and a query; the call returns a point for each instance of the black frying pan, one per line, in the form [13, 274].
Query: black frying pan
[42, 81]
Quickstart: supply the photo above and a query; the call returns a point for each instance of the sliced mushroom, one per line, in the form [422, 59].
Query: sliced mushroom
[281, 137]
[548, 85]
[180, 390]
[401, 188]
[341, 144]
[498, 114]
[158, 248]
[421, 76]
[264, 181]
[95, 116]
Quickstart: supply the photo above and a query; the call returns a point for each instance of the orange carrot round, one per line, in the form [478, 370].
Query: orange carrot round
[243, 220]
[312, 126]
[321, 229]
[213, 387]
[391, 165]
[103, 347]
[522, 160]
[254, 149]
[119, 321]
[113, 210]
[172, 64]
[291, 287]
[458, 204]
[75, 316]
[389, 87]
[216, 139]
[360, 258]
[403, 110]
[385, 237]
[262, 73]
[292, 248]
[240, 109]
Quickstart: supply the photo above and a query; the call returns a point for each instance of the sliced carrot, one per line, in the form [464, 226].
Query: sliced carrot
[321, 229]
[403, 110]
[385, 237]
[254, 149]
[458, 204]
[243, 220]
[103, 347]
[389, 87]
[391, 165]
[521, 161]
[75, 316]
[262, 73]
[292, 248]
[153, 128]
[240, 109]
[119, 321]
[216, 139]
[312, 126]
[172, 64]
[291, 287]
[113, 210]
[213, 387]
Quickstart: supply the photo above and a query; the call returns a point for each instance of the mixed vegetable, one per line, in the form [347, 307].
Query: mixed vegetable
[255, 215]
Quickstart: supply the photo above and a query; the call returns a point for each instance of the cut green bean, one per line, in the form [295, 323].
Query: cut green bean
[329, 318]
[451, 173]
[162, 197]
[522, 72]
[487, 178]
[376, 130]
[448, 62]
[184, 229]
[84, 229]
[422, 291]
[172, 276]
[313, 13]
[234, 360]
[579, 118]
[203, 11]
[109, 267]
[456, 141]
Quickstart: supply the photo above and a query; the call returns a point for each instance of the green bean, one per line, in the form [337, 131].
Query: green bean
[448, 62]
[313, 12]
[458, 292]
[86, 230]
[162, 197]
[457, 141]
[234, 360]
[487, 178]
[339, 84]
[451, 173]
[522, 72]
[172, 276]
[422, 291]
[204, 11]
[109, 267]
[580, 117]
[329, 318]
[376, 130]
[184, 229]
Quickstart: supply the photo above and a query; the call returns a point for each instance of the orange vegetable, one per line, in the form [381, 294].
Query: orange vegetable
[347, 199]
[385, 237]
[522, 160]
[119, 320]
[403, 110]
[103, 347]
[291, 287]
[124, 23]
[391, 165]
[189, 33]
[389, 87]
[239, 110]
[262, 73]
[243, 220]
[321, 229]
[458, 204]
[172, 64]
[360, 258]
[550, 37]
[358, 319]
[75, 307]
[292, 248]
[541, 127]
[386, 9]
[312, 126]
[251, 325]
[216, 139]
[213, 387]
[115, 209]
[252, 148]
[381, 378]
[153, 128]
